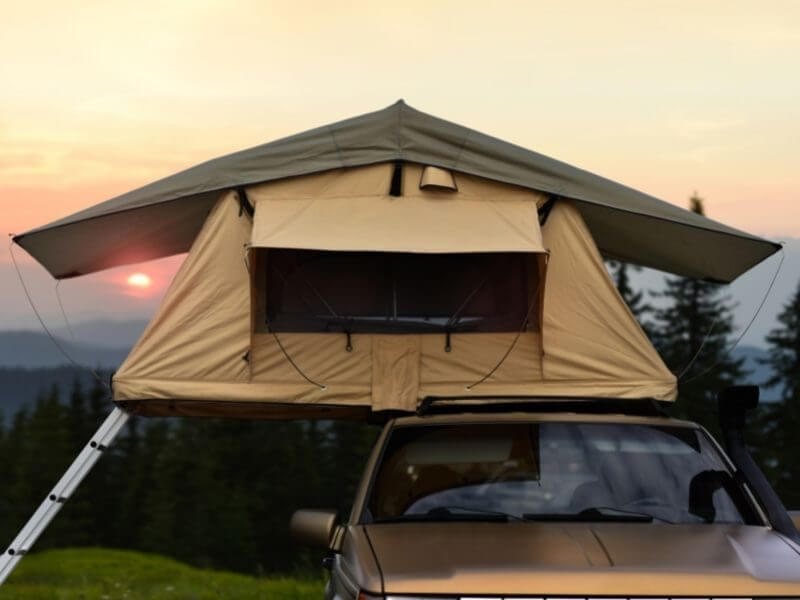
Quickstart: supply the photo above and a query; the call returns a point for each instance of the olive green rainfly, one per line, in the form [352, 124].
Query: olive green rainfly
[162, 218]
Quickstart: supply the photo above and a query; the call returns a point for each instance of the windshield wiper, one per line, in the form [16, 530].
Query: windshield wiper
[598, 513]
[453, 513]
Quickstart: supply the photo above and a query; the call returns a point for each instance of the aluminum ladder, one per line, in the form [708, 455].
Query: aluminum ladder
[62, 491]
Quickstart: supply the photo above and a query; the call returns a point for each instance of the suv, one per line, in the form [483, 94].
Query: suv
[568, 500]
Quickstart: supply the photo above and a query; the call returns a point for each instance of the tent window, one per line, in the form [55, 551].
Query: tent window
[387, 292]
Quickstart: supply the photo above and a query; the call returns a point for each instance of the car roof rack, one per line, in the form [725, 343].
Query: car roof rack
[648, 407]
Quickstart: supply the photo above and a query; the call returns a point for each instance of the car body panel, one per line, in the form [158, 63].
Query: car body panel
[354, 567]
[584, 559]
[518, 558]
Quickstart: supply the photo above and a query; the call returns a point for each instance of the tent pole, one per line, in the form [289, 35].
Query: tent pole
[62, 491]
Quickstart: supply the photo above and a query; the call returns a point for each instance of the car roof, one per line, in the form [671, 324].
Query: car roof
[463, 417]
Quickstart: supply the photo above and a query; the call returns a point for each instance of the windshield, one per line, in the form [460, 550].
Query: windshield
[554, 471]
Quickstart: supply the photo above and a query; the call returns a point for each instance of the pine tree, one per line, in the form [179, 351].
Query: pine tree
[42, 458]
[782, 420]
[634, 298]
[212, 492]
[101, 490]
[620, 273]
[78, 514]
[12, 517]
[5, 476]
[692, 333]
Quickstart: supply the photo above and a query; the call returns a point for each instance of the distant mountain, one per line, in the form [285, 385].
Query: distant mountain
[19, 387]
[757, 373]
[34, 349]
[104, 333]
[31, 364]
[746, 293]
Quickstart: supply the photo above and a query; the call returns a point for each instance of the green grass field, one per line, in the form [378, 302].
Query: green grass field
[101, 574]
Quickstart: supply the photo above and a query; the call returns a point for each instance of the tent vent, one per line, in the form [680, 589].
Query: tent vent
[434, 178]
[396, 188]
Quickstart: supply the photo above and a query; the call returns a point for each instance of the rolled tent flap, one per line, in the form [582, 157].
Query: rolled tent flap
[352, 210]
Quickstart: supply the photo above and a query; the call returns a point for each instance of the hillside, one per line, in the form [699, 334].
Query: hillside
[34, 349]
[101, 574]
[20, 387]
[30, 364]
[757, 373]
[104, 332]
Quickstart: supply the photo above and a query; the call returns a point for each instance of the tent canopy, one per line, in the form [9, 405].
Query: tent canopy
[336, 297]
[164, 217]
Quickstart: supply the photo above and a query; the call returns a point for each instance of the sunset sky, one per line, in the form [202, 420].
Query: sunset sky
[97, 98]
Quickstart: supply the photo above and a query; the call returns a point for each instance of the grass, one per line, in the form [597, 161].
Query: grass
[102, 574]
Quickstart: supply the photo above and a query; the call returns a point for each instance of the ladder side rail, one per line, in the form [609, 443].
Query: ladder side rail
[76, 469]
[62, 491]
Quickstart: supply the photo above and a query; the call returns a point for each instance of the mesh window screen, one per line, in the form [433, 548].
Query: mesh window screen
[381, 292]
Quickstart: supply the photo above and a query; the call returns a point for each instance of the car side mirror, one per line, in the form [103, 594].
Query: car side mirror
[313, 527]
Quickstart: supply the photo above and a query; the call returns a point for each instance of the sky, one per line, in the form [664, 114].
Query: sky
[671, 98]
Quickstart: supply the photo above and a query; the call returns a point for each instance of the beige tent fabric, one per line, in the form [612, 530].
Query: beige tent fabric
[592, 343]
[199, 356]
[201, 331]
[345, 376]
[351, 209]
[473, 356]
[395, 372]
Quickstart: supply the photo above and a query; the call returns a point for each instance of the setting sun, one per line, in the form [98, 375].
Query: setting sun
[139, 280]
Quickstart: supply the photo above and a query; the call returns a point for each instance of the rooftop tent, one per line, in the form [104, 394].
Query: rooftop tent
[368, 264]
[336, 298]
[164, 217]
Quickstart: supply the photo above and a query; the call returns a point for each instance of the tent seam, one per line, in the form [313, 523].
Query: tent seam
[399, 130]
[336, 145]
[461, 150]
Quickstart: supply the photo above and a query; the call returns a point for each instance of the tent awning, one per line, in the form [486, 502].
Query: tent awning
[162, 218]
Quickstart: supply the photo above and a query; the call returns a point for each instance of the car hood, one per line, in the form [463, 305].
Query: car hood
[584, 559]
